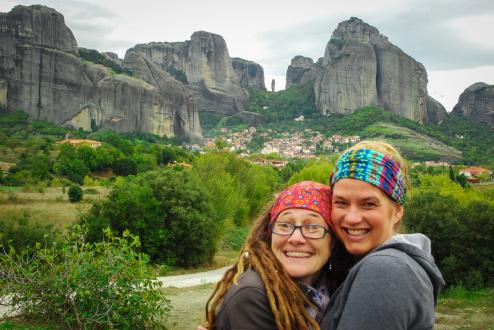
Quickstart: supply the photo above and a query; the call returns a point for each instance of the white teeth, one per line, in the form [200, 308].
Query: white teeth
[298, 254]
[357, 232]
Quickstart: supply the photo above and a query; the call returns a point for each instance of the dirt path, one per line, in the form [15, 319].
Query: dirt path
[188, 306]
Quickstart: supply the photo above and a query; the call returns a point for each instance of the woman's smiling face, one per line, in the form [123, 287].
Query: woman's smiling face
[363, 216]
[303, 258]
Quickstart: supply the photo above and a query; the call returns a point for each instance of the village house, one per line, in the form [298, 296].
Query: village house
[245, 130]
[223, 129]
[301, 118]
[414, 164]
[469, 172]
[276, 162]
[183, 164]
[252, 129]
[434, 164]
[259, 161]
[93, 144]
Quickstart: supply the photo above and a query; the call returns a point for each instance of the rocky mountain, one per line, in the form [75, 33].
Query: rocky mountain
[477, 103]
[204, 65]
[301, 70]
[250, 73]
[361, 67]
[112, 56]
[41, 73]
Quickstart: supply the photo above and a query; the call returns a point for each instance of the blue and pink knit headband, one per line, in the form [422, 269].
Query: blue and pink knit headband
[373, 167]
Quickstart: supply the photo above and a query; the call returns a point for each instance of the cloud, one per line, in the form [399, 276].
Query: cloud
[91, 24]
[432, 32]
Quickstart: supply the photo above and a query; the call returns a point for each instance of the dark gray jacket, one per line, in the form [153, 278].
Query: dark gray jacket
[246, 305]
[394, 287]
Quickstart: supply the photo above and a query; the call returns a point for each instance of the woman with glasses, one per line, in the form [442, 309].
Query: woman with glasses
[284, 276]
[394, 283]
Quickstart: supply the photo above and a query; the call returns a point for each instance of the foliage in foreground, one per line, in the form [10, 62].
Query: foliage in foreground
[83, 285]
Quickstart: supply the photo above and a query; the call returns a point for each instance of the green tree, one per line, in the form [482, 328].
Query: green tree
[452, 176]
[169, 210]
[169, 155]
[462, 235]
[40, 169]
[124, 145]
[125, 166]
[94, 127]
[12, 143]
[85, 153]
[75, 193]
[317, 172]
[227, 196]
[104, 157]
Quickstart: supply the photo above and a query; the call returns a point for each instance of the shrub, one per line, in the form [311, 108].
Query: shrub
[235, 238]
[20, 232]
[88, 181]
[462, 236]
[56, 183]
[168, 210]
[81, 285]
[91, 191]
[75, 193]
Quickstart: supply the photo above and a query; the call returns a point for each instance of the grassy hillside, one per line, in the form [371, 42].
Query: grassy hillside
[414, 145]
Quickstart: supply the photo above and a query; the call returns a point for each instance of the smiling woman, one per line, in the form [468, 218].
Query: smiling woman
[395, 282]
[284, 277]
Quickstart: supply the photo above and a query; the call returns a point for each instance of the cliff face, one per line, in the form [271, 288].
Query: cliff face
[477, 103]
[250, 74]
[42, 74]
[301, 70]
[361, 67]
[205, 67]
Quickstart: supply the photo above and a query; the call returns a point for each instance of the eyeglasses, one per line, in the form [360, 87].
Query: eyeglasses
[308, 231]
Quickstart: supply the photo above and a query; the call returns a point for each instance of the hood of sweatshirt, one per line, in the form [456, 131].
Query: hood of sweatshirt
[418, 247]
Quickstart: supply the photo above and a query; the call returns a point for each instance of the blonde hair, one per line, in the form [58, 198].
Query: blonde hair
[286, 299]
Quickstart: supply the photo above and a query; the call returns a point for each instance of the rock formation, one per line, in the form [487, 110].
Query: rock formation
[301, 70]
[42, 74]
[361, 67]
[113, 57]
[272, 85]
[205, 67]
[250, 73]
[253, 118]
[477, 103]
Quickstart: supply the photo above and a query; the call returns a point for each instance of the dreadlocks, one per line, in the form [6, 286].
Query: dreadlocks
[286, 299]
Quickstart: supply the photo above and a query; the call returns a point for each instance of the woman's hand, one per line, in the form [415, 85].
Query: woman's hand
[201, 328]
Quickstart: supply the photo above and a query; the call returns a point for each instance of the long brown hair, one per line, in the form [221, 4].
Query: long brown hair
[286, 299]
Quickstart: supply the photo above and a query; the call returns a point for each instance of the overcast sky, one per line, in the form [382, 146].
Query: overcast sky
[453, 39]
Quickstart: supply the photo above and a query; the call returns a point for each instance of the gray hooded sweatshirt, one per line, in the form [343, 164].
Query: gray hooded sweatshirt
[395, 287]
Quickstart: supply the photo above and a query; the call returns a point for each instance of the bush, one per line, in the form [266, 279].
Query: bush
[168, 210]
[91, 191]
[20, 233]
[462, 236]
[81, 285]
[75, 193]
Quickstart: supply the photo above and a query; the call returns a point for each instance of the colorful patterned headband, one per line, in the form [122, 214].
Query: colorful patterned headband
[305, 195]
[373, 167]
